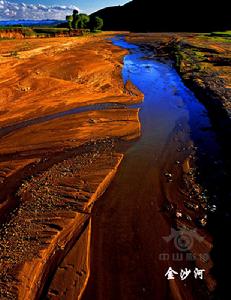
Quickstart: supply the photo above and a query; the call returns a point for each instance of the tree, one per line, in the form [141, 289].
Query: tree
[83, 21]
[69, 20]
[96, 23]
[75, 12]
[75, 19]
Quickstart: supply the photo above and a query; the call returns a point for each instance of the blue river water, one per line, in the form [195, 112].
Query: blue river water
[167, 103]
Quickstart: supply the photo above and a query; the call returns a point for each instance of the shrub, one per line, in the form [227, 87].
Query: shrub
[96, 23]
[69, 21]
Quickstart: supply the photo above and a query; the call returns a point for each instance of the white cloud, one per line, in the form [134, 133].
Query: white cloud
[11, 10]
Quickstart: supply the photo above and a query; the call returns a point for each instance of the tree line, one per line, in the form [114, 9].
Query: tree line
[83, 21]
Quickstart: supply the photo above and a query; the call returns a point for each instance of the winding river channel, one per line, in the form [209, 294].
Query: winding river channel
[128, 224]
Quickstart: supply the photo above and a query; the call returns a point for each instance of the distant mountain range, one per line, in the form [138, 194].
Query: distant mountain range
[30, 22]
[151, 15]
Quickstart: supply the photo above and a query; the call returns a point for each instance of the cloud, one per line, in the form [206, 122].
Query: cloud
[10, 10]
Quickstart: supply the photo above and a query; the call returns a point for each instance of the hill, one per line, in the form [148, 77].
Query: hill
[144, 15]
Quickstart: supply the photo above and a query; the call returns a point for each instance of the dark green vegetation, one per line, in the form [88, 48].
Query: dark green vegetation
[96, 23]
[146, 15]
[83, 21]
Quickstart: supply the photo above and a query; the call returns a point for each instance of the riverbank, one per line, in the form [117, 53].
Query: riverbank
[63, 117]
[203, 61]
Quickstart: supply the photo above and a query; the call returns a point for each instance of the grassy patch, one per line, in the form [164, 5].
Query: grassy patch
[6, 39]
[11, 27]
[220, 39]
[35, 31]
[50, 30]
[222, 33]
[221, 36]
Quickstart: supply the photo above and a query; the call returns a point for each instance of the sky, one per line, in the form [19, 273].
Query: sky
[50, 9]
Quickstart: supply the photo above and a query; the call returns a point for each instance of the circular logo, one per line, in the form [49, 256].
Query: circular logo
[183, 241]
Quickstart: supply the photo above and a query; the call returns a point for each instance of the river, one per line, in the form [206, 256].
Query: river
[128, 224]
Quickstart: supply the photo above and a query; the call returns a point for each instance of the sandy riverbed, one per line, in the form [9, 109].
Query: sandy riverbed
[42, 146]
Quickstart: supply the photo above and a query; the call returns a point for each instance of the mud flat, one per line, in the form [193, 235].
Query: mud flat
[54, 208]
[44, 76]
[56, 161]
